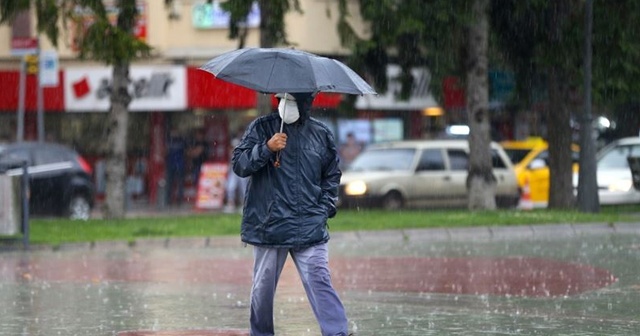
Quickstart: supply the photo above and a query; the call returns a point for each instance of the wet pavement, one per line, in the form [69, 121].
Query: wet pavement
[530, 280]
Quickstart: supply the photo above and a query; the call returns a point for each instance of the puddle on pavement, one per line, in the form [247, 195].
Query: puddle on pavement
[82, 292]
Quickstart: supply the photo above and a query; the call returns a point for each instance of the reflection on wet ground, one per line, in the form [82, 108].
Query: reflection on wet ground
[543, 280]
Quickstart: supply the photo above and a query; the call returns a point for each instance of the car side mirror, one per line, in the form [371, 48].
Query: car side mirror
[537, 164]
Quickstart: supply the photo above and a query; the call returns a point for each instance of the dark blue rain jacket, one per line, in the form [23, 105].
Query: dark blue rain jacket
[288, 206]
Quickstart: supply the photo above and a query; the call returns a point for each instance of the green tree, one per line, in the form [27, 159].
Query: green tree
[448, 38]
[112, 44]
[272, 28]
[544, 42]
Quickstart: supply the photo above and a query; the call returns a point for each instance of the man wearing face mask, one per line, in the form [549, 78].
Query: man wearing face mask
[287, 206]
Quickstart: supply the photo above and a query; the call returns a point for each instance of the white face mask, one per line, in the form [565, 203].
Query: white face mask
[288, 110]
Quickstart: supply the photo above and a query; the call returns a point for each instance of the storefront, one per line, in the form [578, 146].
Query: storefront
[185, 99]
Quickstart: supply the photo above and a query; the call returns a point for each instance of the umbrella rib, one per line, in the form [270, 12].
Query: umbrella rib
[273, 66]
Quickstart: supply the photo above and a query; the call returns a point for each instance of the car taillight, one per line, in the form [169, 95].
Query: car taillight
[84, 165]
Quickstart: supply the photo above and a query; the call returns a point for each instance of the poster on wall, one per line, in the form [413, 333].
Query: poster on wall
[209, 15]
[361, 129]
[153, 88]
[211, 186]
[387, 130]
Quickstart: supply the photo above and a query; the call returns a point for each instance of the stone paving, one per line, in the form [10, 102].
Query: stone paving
[530, 280]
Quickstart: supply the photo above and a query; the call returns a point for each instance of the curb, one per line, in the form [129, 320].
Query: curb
[524, 232]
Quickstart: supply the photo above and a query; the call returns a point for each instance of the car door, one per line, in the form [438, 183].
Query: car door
[50, 174]
[506, 183]
[458, 159]
[538, 169]
[429, 185]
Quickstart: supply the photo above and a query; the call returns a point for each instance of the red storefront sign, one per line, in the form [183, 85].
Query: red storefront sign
[206, 91]
[10, 86]
[203, 91]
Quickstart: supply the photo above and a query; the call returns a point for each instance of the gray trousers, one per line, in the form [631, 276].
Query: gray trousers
[312, 264]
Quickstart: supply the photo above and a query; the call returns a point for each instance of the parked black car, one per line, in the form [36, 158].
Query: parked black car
[60, 181]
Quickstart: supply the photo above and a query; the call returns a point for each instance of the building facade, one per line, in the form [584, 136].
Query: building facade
[169, 90]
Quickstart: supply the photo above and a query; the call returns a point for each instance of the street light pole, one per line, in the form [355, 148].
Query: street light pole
[40, 98]
[21, 96]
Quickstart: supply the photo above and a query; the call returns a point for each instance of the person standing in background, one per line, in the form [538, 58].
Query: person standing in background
[198, 154]
[349, 150]
[236, 186]
[175, 160]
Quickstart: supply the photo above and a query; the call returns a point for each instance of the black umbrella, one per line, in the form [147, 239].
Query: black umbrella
[273, 70]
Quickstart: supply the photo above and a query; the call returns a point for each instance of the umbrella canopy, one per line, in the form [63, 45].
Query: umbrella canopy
[273, 70]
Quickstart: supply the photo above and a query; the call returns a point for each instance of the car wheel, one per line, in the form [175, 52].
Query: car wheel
[79, 208]
[392, 201]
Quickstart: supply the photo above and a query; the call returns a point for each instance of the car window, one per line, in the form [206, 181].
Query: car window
[496, 160]
[383, 159]
[544, 156]
[50, 155]
[459, 159]
[616, 158]
[431, 159]
[15, 155]
[516, 155]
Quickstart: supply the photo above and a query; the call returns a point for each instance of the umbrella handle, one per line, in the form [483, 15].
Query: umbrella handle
[284, 111]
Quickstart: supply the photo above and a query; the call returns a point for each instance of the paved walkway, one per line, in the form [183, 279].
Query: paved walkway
[531, 280]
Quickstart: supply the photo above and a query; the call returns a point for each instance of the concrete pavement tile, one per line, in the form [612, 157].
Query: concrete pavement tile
[437, 234]
[471, 233]
[595, 228]
[385, 235]
[632, 228]
[554, 231]
[511, 232]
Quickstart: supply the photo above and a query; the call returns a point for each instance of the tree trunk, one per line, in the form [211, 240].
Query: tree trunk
[481, 183]
[117, 139]
[560, 139]
[588, 200]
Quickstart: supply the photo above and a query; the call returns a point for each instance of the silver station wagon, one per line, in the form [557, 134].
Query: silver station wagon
[420, 174]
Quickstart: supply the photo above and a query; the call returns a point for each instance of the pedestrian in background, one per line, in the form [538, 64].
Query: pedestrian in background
[175, 161]
[287, 207]
[349, 150]
[236, 186]
[198, 154]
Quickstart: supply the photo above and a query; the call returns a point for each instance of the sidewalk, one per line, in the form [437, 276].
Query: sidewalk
[546, 279]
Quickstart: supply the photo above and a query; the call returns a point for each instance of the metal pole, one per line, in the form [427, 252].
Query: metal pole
[40, 98]
[25, 205]
[21, 99]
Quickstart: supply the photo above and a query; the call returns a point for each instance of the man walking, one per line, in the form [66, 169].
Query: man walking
[293, 187]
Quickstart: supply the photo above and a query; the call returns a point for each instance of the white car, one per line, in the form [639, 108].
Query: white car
[420, 173]
[615, 183]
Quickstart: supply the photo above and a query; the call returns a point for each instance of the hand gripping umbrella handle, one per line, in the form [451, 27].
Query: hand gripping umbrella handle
[284, 111]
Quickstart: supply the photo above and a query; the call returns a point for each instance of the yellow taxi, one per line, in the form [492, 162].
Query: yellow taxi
[530, 159]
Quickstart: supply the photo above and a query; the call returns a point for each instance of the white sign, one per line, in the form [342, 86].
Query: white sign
[153, 88]
[207, 15]
[48, 68]
[420, 98]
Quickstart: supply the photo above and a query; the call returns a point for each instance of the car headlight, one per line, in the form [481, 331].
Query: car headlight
[355, 188]
[621, 185]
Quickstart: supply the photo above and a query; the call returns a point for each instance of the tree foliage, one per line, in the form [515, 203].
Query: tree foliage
[272, 24]
[103, 40]
[410, 33]
[112, 43]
